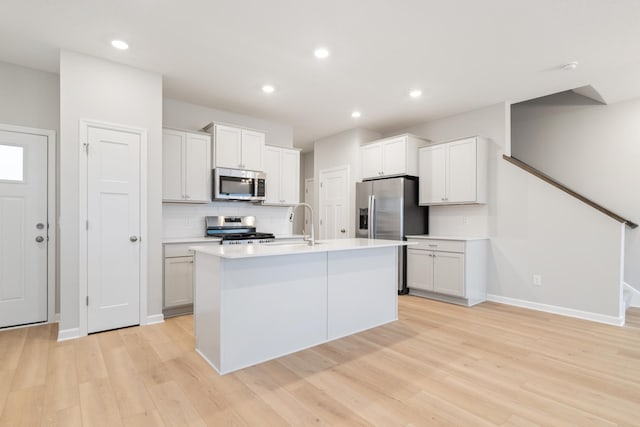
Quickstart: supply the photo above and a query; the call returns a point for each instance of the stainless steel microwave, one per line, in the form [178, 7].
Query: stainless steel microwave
[238, 184]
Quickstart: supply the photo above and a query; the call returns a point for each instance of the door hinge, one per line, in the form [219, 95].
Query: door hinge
[87, 300]
[320, 185]
[86, 147]
[86, 224]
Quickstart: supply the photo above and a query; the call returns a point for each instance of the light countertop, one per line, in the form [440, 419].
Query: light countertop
[294, 248]
[459, 238]
[191, 240]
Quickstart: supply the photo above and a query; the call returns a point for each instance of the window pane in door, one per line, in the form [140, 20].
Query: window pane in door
[11, 163]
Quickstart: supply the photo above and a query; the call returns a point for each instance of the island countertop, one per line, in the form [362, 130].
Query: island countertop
[293, 248]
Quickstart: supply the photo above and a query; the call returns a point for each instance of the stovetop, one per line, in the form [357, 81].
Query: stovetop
[235, 230]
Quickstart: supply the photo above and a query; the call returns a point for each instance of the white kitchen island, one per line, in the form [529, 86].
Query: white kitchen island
[253, 303]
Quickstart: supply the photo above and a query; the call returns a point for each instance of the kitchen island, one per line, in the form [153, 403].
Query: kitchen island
[253, 303]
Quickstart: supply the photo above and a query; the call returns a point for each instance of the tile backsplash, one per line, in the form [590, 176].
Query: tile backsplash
[187, 220]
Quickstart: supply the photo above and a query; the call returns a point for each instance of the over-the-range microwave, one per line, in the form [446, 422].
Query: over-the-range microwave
[238, 184]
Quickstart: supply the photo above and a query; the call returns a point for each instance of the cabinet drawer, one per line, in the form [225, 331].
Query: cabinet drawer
[439, 245]
[182, 249]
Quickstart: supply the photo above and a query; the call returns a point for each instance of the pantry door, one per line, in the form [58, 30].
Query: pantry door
[23, 228]
[334, 203]
[113, 228]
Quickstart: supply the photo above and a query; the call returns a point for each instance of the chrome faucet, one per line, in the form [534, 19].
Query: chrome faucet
[312, 242]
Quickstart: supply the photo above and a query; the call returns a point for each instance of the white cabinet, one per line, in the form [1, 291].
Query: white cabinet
[448, 270]
[391, 157]
[186, 167]
[454, 172]
[178, 277]
[178, 281]
[282, 166]
[238, 148]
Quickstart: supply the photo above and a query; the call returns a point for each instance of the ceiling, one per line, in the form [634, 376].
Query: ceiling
[463, 54]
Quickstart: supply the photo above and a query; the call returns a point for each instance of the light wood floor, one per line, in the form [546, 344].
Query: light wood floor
[440, 364]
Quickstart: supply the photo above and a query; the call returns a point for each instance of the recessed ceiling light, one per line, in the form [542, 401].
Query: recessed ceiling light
[119, 44]
[268, 89]
[416, 93]
[356, 114]
[570, 66]
[321, 53]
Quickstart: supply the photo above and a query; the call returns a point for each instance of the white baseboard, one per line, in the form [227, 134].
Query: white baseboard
[635, 295]
[57, 318]
[563, 311]
[68, 334]
[155, 318]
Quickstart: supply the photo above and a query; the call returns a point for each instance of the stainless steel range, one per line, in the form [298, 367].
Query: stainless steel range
[236, 230]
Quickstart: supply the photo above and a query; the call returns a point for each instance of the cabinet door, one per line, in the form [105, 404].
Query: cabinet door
[228, 143]
[272, 167]
[197, 168]
[461, 171]
[290, 177]
[394, 156]
[252, 149]
[448, 273]
[371, 156]
[172, 165]
[178, 281]
[432, 174]
[420, 269]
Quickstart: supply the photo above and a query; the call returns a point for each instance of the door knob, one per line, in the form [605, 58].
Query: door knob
[39, 239]
[133, 238]
[39, 226]
[343, 231]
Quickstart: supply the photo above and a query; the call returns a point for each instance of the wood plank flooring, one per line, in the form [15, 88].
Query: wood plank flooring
[440, 364]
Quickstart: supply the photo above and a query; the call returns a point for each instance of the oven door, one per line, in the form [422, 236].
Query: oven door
[234, 188]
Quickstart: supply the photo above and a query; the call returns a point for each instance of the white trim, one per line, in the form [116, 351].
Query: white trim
[51, 210]
[634, 295]
[563, 311]
[68, 334]
[84, 125]
[154, 318]
[57, 318]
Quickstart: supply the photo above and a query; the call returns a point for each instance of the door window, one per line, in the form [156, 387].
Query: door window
[11, 163]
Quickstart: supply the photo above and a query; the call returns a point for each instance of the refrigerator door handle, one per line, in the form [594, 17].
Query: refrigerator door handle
[372, 217]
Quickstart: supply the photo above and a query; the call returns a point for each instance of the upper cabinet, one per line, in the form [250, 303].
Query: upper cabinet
[186, 167]
[282, 166]
[238, 148]
[391, 157]
[454, 172]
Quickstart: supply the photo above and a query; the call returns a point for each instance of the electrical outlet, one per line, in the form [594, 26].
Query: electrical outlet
[537, 280]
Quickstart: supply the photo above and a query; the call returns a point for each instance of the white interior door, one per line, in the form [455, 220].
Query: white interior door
[113, 235]
[23, 228]
[334, 203]
[309, 198]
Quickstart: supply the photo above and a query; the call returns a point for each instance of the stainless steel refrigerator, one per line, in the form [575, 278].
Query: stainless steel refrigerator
[388, 209]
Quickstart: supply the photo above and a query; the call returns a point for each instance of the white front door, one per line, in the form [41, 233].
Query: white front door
[334, 203]
[23, 228]
[113, 234]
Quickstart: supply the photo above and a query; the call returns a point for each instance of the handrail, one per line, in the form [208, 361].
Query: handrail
[560, 186]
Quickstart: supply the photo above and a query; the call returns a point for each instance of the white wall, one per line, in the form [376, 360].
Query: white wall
[184, 115]
[183, 220]
[31, 98]
[338, 150]
[92, 88]
[592, 148]
[534, 228]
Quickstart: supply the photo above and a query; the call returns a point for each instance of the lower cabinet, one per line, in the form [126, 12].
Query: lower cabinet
[178, 278]
[448, 270]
